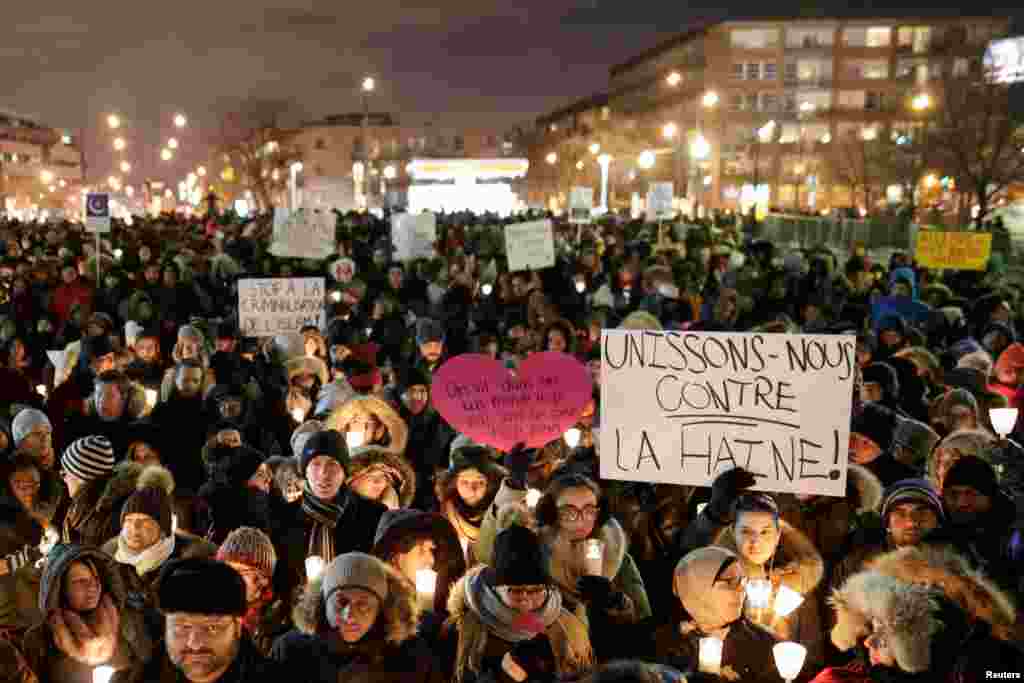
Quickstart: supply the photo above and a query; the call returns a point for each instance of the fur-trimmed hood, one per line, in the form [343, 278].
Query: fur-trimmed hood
[863, 489]
[400, 610]
[307, 365]
[941, 568]
[908, 613]
[59, 561]
[365, 459]
[394, 425]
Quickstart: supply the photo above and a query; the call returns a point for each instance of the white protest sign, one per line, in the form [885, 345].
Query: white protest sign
[530, 245]
[683, 407]
[659, 201]
[581, 204]
[268, 307]
[303, 234]
[413, 235]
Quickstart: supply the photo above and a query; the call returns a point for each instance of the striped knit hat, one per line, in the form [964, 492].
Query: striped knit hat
[912, 490]
[251, 547]
[89, 458]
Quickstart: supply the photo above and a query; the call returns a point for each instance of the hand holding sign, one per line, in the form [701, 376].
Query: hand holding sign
[482, 400]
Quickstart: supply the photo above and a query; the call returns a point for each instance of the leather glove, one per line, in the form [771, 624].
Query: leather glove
[598, 592]
[725, 490]
[518, 461]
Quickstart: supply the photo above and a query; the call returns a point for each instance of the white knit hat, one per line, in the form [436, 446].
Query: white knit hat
[89, 458]
[27, 420]
[355, 570]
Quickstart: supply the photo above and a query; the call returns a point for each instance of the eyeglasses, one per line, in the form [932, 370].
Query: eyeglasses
[571, 514]
[361, 609]
[736, 583]
[523, 593]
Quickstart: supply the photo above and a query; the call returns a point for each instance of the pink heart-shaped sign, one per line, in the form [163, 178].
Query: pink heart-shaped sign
[535, 404]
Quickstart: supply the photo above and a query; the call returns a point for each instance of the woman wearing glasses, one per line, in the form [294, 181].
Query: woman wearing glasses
[508, 622]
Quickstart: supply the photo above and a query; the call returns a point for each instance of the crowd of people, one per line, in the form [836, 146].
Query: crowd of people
[183, 502]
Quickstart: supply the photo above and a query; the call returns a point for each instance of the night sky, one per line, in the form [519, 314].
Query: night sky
[485, 63]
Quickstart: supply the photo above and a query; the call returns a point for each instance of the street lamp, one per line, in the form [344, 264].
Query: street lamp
[389, 172]
[551, 158]
[114, 121]
[646, 160]
[921, 102]
[166, 154]
[669, 130]
[46, 176]
[674, 78]
[579, 165]
[172, 143]
[700, 147]
[201, 171]
[63, 183]
[595, 147]
[65, 139]
[126, 167]
[180, 121]
[120, 144]
[369, 84]
[710, 99]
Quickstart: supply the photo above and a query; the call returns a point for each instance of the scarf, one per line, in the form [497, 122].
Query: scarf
[503, 621]
[325, 516]
[465, 518]
[147, 560]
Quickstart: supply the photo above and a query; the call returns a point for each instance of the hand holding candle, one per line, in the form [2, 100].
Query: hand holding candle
[593, 556]
[710, 656]
[426, 582]
[314, 567]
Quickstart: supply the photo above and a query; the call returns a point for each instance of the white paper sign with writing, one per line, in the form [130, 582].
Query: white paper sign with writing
[303, 234]
[413, 235]
[683, 407]
[659, 201]
[530, 245]
[269, 307]
[581, 205]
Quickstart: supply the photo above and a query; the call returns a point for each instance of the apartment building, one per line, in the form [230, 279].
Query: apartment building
[766, 99]
[39, 165]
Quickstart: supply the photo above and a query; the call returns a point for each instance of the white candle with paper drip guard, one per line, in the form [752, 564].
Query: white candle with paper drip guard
[787, 601]
[593, 557]
[532, 498]
[572, 437]
[355, 439]
[151, 398]
[1003, 420]
[102, 674]
[789, 659]
[710, 656]
[298, 414]
[426, 586]
[314, 567]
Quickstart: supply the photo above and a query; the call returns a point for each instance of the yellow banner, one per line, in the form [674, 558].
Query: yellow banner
[955, 250]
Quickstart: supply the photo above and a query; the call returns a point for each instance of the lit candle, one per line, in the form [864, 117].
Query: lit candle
[487, 289]
[102, 674]
[532, 498]
[572, 437]
[151, 397]
[41, 390]
[593, 556]
[355, 439]
[710, 657]
[787, 600]
[426, 581]
[335, 297]
[581, 286]
[789, 659]
[314, 567]
[298, 414]
[759, 593]
[1003, 420]
[174, 523]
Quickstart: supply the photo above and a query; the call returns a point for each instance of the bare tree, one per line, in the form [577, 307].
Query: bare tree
[860, 163]
[977, 139]
[259, 147]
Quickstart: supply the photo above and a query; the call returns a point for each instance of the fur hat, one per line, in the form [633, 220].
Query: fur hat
[916, 437]
[367, 460]
[251, 547]
[972, 471]
[201, 586]
[877, 423]
[307, 366]
[429, 330]
[977, 360]
[886, 376]
[302, 434]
